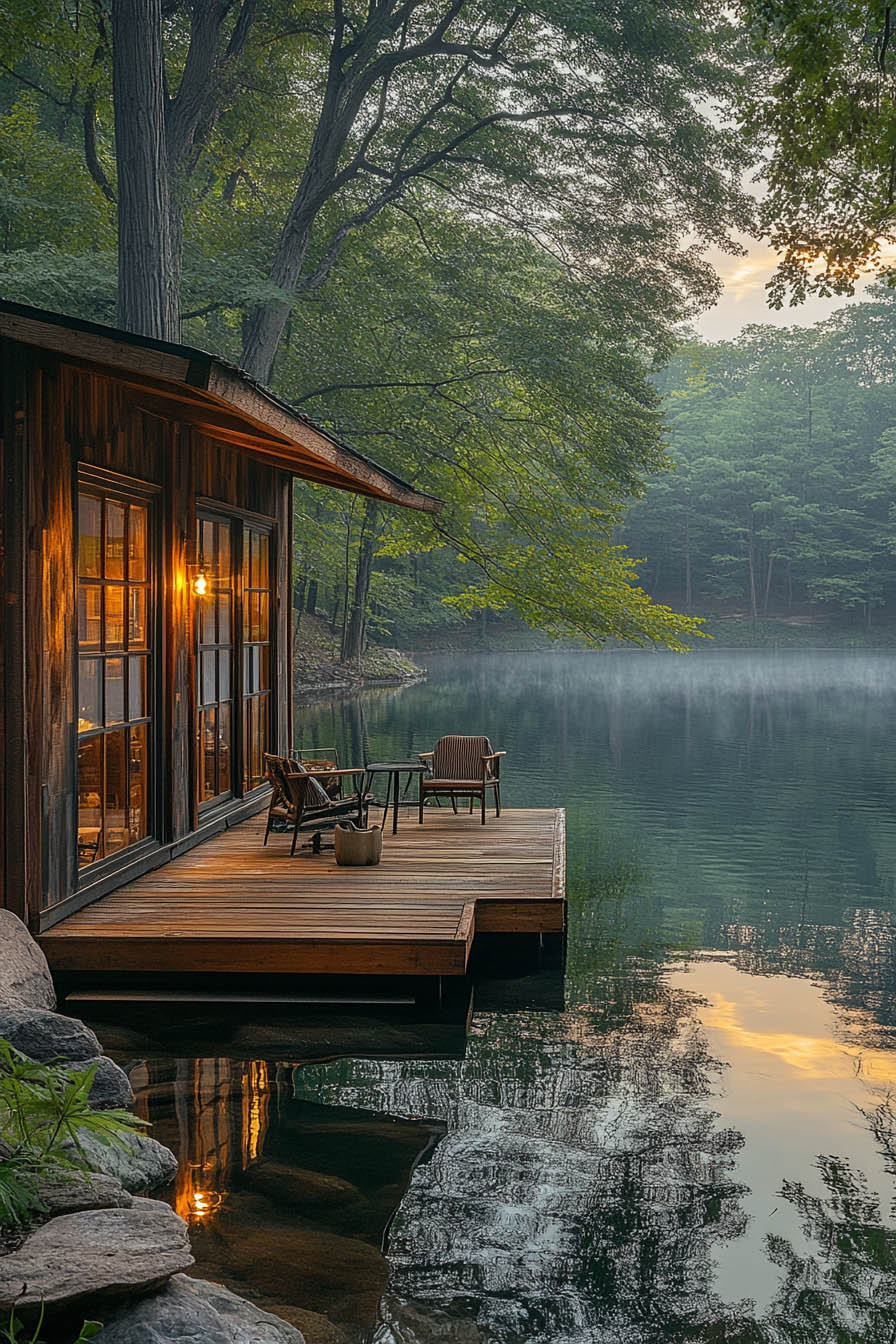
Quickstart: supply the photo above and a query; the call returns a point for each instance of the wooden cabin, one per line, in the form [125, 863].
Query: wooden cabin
[145, 556]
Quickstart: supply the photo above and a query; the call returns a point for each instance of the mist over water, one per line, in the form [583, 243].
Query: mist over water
[701, 1146]
[672, 1156]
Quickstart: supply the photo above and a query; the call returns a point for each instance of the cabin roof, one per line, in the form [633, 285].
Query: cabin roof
[187, 384]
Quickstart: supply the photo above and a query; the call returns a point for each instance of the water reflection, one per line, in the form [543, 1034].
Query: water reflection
[214, 1113]
[703, 1146]
[287, 1202]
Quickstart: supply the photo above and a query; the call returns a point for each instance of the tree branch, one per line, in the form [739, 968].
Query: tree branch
[91, 157]
[431, 384]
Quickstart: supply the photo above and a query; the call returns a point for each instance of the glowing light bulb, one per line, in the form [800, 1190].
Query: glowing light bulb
[200, 584]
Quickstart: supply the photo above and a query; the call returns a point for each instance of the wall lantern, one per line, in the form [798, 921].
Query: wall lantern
[202, 581]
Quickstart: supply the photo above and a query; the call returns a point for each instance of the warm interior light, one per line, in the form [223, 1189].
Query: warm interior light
[200, 583]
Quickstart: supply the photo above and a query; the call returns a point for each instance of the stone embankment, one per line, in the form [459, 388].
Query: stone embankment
[100, 1251]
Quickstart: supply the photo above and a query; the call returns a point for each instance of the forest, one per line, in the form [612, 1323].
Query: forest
[475, 259]
[783, 445]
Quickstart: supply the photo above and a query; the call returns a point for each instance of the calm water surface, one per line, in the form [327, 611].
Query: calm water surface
[702, 1145]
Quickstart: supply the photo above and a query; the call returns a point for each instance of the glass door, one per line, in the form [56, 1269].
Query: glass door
[215, 662]
[114, 671]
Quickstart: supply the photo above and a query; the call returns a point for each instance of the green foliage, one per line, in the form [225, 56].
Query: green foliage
[44, 1112]
[822, 107]
[784, 448]
[497, 245]
[16, 1332]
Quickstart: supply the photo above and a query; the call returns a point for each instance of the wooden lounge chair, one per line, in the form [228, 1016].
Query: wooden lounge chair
[298, 798]
[462, 767]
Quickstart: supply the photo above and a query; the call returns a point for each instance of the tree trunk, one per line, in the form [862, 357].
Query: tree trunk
[768, 584]
[311, 600]
[147, 273]
[353, 644]
[751, 557]
[688, 590]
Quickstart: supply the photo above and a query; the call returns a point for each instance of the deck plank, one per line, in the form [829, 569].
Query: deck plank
[232, 904]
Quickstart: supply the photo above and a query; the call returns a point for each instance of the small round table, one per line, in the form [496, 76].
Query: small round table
[394, 770]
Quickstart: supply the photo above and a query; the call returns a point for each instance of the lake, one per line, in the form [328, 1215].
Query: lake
[701, 1145]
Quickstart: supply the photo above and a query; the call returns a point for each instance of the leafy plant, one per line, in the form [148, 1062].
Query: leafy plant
[15, 1332]
[44, 1114]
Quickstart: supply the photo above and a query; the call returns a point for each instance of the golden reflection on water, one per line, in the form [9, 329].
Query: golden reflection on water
[222, 1113]
[800, 1084]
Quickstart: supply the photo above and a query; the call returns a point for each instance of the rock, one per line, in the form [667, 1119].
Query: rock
[74, 1192]
[137, 1161]
[191, 1310]
[25, 980]
[297, 1188]
[341, 1276]
[101, 1253]
[111, 1085]
[43, 1035]
[316, 1328]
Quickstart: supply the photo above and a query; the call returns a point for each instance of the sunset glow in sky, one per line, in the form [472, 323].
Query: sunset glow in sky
[744, 300]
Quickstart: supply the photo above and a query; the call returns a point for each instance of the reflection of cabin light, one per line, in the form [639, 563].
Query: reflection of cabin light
[200, 583]
[203, 1203]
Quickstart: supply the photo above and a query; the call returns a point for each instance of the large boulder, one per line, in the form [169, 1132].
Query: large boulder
[111, 1085]
[137, 1161]
[47, 1036]
[25, 980]
[189, 1310]
[72, 1192]
[95, 1255]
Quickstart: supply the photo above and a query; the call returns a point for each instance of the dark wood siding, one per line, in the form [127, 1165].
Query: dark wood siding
[56, 416]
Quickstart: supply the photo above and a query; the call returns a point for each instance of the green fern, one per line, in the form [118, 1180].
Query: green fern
[44, 1114]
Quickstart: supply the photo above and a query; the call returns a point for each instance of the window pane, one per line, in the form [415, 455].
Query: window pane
[260, 561]
[137, 703]
[138, 792]
[137, 618]
[255, 720]
[89, 615]
[206, 543]
[207, 619]
[264, 668]
[115, 516]
[224, 785]
[89, 525]
[247, 557]
[114, 616]
[224, 675]
[89, 714]
[136, 542]
[224, 618]
[208, 662]
[250, 676]
[114, 690]
[207, 772]
[90, 800]
[262, 616]
[115, 829]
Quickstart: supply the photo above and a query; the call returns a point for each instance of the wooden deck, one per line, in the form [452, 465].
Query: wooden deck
[232, 905]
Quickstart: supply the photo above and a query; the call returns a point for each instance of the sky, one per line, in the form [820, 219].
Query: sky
[744, 298]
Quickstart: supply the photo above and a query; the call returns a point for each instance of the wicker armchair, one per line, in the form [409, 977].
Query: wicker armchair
[462, 767]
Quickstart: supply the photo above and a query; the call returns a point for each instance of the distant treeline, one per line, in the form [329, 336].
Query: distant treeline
[784, 451]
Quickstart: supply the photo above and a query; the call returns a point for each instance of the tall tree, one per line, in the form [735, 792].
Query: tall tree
[586, 129]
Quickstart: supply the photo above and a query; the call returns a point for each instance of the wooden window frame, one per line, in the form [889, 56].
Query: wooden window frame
[104, 874]
[218, 511]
